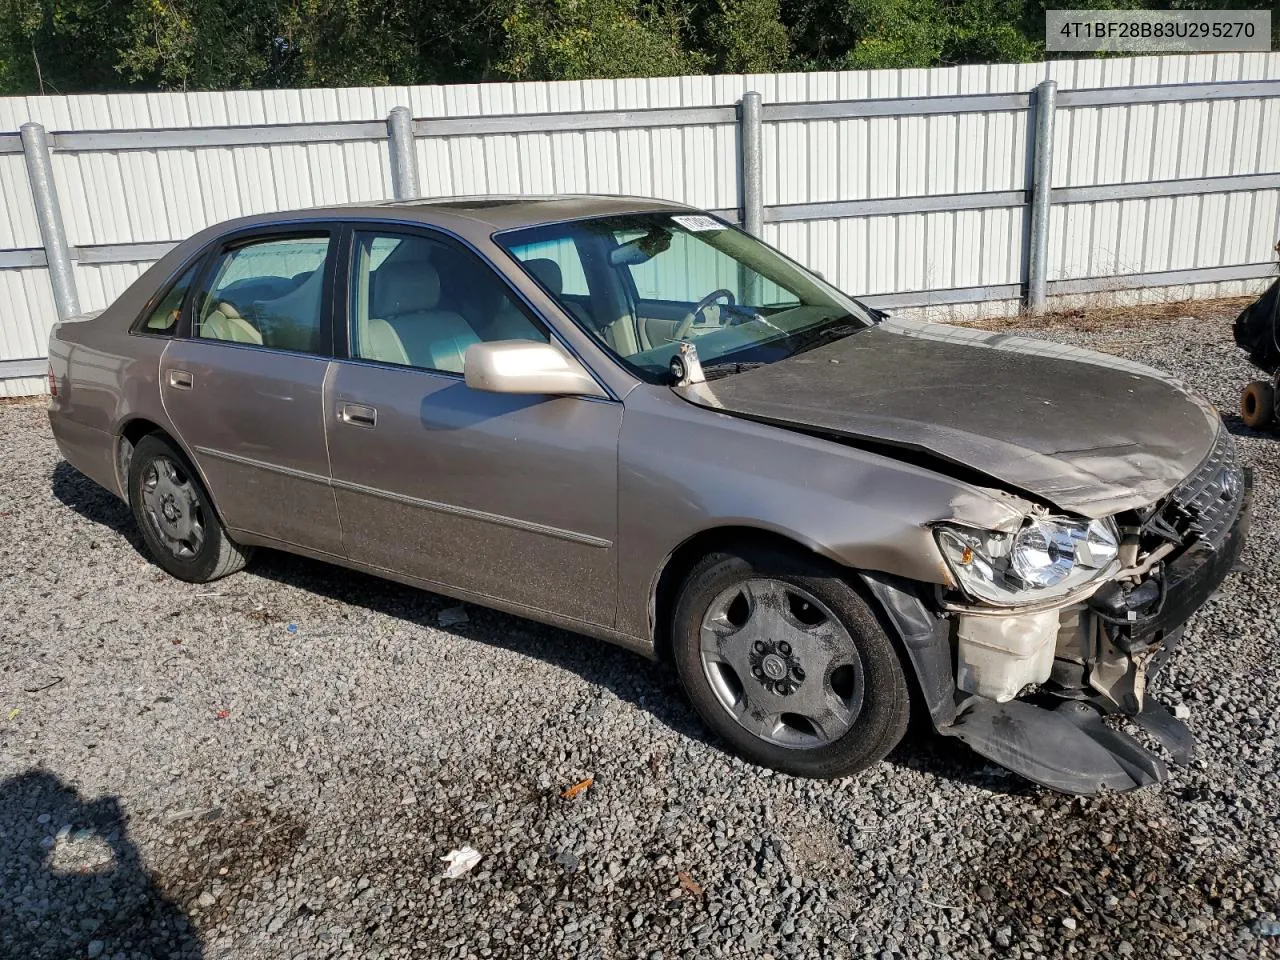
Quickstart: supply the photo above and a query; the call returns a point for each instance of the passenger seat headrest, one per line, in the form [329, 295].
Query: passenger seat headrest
[546, 272]
[400, 288]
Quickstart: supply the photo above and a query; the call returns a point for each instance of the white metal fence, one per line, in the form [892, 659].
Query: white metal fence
[912, 188]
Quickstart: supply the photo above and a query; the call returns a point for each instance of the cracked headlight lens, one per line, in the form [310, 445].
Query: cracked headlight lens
[1049, 557]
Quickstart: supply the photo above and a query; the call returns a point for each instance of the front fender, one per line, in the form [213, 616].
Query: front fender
[684, 470]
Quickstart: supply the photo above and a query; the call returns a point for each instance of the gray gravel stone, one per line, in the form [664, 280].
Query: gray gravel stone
[281, 830]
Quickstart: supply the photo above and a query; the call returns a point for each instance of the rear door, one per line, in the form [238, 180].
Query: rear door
[509, 497]
[245, 383]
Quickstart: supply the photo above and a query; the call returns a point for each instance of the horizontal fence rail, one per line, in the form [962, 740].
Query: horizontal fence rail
[199, 137]
[770, 144]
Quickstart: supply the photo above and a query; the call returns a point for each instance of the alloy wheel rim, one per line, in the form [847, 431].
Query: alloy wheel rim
[172, 508]
[781, 664]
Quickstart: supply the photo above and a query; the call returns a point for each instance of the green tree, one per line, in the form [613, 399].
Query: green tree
[580, 39]
[59, 46]
[748, 36]
[73, 46]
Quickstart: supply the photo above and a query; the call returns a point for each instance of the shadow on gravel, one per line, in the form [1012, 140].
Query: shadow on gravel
[71, 881]
[651, 686]
[73, 488]
[925, 751]
[1236, 427]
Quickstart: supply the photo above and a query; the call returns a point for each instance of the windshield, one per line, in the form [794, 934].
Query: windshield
[642, 283]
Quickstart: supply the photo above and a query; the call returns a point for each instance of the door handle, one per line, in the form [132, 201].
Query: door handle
[358, 414]
[181, 379]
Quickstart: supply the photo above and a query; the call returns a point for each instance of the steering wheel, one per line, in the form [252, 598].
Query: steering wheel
[682, 328]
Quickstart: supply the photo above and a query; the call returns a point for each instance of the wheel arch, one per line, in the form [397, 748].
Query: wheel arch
[130, 432]
[918, 637]
[680, 561]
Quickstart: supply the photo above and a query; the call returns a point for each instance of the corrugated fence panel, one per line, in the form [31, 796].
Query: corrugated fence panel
[908, 252]
[1140, 143]
[908, 156]
[18, 227]
[100, 283]
[694, 164]
[28, 313]
[162, 194]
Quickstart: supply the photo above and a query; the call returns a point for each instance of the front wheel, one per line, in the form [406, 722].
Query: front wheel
[176, 516]
[785, 660]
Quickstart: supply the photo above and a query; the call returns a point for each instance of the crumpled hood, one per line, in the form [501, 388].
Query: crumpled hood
[1089, 433]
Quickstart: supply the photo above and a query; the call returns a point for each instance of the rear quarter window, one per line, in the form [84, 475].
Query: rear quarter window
[162, 319]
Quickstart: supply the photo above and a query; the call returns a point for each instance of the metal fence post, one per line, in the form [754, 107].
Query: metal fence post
[1041, 194]
[404, 157]
[35, 147]
[749, 117]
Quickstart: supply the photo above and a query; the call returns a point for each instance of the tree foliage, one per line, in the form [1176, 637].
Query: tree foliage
[71, 46]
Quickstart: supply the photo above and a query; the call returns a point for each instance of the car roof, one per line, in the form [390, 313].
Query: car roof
[473, 216]
[505, 211]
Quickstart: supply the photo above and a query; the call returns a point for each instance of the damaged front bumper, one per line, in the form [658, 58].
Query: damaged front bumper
[1064, 733]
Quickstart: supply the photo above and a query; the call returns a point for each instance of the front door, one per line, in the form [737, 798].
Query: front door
[508, 497]
[245, 389]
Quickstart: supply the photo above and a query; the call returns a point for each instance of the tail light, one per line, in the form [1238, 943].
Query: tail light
[53, 382]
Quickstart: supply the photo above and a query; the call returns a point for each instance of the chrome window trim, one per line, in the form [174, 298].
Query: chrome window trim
[426, 229]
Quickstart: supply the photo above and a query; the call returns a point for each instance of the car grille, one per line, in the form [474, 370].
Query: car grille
[1203, 507]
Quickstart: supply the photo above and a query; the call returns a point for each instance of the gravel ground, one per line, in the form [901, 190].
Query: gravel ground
[274, 766]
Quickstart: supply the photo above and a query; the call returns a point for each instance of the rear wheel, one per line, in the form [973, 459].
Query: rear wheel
[785, 660]
[176, 516]
[1258, 404]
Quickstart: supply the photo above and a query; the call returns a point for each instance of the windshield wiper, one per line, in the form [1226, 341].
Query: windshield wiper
[806, 340]
[714, 371]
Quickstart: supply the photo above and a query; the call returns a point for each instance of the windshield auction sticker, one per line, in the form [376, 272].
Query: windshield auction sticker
[698, 224]
[1157, 31]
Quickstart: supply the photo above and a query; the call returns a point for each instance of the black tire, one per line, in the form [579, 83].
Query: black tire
[215, 555]
[1258, 405]
[882, 717]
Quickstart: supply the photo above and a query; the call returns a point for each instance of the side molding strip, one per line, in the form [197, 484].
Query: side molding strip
[498, 519]
[495, 518]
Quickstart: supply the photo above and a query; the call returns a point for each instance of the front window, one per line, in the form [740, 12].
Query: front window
[643, 283]
[417, 301]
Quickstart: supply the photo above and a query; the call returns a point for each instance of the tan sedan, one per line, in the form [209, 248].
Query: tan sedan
[632, 420]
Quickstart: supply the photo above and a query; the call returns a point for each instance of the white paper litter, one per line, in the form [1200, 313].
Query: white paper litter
[460, 862]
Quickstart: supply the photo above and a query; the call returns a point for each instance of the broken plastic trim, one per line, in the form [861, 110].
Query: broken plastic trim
[1069, 748]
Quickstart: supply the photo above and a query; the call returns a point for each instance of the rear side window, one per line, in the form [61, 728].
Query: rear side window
[267, 293]
[163, 320]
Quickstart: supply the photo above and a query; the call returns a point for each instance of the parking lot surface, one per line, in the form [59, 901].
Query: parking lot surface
[275, 765]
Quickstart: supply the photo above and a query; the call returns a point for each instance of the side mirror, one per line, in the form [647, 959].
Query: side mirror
[526, 366]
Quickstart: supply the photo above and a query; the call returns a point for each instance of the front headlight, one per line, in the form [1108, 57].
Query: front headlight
[1049, 557]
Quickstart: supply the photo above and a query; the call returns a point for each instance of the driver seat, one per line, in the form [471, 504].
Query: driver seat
[548, 273]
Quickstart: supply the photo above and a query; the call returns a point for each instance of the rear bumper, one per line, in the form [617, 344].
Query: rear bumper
[90, 451]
